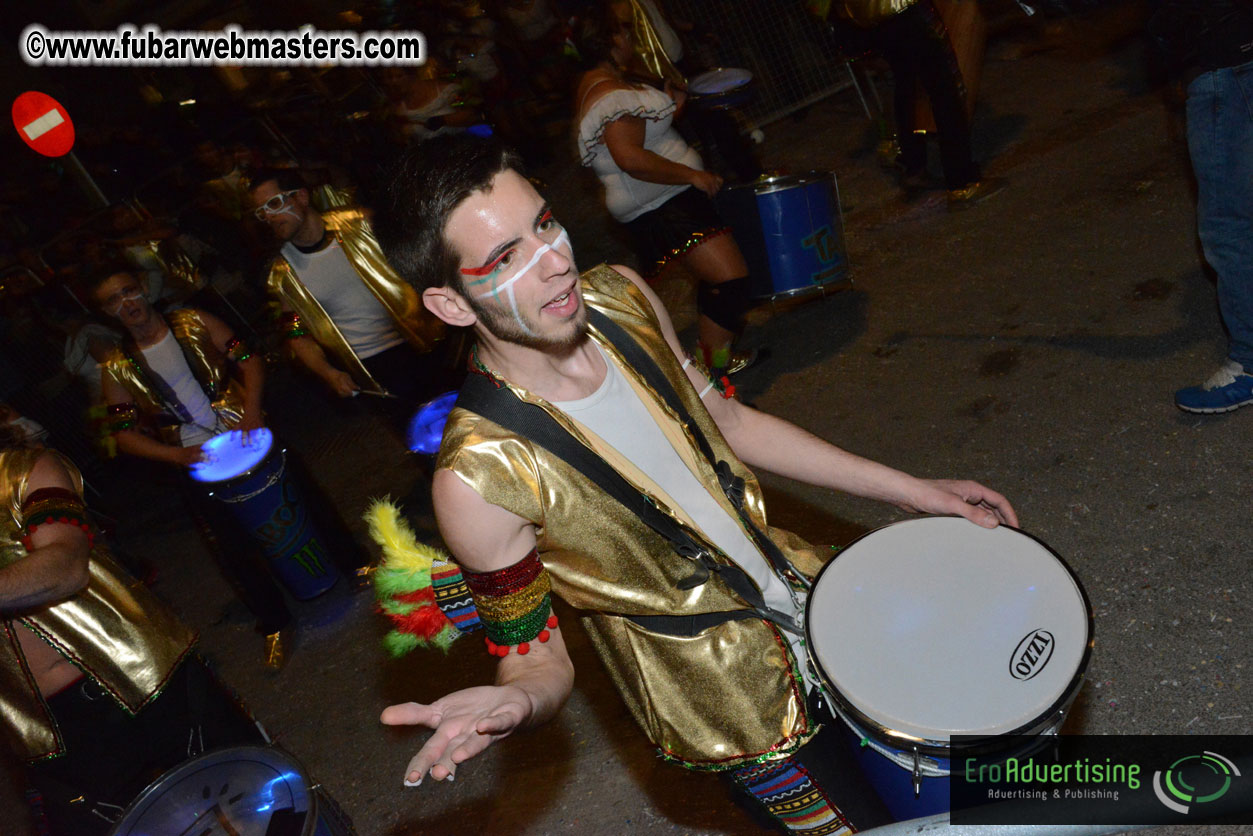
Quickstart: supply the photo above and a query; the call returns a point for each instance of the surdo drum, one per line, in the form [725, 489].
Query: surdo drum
[936, 627]
[241, 790]
[721, 88]
[251, 477]
[790, 230]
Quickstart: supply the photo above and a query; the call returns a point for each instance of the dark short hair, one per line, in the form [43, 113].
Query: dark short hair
[105, 271]
[420, 189]
[285, 178]
[594, 34]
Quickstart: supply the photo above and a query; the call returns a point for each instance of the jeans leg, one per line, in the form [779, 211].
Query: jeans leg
[1220, 142]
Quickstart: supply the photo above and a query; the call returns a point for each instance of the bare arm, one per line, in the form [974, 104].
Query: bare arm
[529, 689]
[251, 370]
[310, 355]
[135, 443]
[625, 140]
[771, 443]
[55, 566]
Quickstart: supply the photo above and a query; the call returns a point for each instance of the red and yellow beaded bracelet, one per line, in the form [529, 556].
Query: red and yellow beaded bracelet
[514, 605]
[53, 506]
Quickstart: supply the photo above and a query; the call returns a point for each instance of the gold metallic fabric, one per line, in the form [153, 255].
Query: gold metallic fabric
[714, 701]
[208, 365]
[867, 13]
[115, 631]
[352, 231]
[648, 48]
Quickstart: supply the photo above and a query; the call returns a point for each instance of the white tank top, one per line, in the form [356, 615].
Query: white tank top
[616, 414]
[167, 360]
[356, 312]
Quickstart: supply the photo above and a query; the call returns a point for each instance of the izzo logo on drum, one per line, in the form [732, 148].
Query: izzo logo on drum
[1031, 654]
[1210, 774]
[827, 247]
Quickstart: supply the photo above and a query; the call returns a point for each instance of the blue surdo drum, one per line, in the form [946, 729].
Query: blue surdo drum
[935, 628]
[790, 230]
[250, 476]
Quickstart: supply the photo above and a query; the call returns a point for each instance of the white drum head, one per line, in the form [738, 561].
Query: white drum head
[717, 81]
[934, 627]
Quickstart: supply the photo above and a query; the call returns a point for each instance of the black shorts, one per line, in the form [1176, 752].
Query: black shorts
[666, 233]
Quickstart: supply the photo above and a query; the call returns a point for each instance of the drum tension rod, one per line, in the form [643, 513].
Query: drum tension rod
[917, 773]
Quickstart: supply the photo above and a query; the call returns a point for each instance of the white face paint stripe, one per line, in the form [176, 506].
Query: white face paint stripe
[43, 124]
[563, 238]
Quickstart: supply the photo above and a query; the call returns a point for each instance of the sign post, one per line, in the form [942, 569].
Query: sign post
[45, 126]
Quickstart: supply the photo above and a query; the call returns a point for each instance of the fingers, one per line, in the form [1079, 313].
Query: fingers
[409, 714]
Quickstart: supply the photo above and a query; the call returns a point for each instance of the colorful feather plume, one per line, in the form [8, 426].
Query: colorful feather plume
[417, 586]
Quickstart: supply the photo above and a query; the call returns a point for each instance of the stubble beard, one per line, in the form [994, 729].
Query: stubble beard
[504, 327]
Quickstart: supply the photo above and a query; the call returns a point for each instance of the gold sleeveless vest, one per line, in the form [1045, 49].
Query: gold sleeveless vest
[208, 365]
[718, 700]
[115, 631]
[349, 226]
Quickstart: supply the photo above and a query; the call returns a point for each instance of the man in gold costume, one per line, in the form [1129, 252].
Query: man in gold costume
[169, 388]
[347, 317]
[702, 649]
[100, 689]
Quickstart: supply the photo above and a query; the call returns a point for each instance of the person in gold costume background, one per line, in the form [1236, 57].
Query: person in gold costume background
[99, 684]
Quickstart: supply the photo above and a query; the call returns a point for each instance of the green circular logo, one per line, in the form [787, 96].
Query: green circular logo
[1194, 779]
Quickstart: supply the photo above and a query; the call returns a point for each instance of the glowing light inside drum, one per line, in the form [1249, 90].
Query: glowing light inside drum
[426, 430]
[228, 455]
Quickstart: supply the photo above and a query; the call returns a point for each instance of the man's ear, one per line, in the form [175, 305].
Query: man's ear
[448, 305]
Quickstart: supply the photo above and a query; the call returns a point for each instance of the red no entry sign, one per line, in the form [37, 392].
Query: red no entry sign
[43, 124]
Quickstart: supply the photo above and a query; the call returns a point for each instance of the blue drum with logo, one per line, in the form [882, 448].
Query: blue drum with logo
[790, 230]
[252, 479]
[933, 629]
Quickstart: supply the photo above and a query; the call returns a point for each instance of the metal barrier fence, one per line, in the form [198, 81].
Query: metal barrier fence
[793, 57]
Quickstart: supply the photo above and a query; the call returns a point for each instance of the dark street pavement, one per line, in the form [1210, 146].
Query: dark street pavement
[1032, 342]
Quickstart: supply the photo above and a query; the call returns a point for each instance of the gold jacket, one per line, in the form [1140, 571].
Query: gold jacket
[208, 364]
[352, 231]
[115, 630]
[731, 694]
[648, 49]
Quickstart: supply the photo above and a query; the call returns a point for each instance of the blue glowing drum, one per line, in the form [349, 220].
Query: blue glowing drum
[426, 429]
[245, 790]
[790, 230]
[936, 627]
[252, 479]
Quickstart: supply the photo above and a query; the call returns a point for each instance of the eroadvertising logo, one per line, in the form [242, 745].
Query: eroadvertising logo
[1081, 779]
[1210, 772]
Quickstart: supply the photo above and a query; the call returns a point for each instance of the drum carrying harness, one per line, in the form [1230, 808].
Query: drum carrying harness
[496, 402]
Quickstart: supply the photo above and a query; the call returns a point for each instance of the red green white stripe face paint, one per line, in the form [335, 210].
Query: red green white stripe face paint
[502, 274]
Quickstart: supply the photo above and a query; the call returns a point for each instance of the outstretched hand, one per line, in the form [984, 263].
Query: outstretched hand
[465, 722]
[964, 498]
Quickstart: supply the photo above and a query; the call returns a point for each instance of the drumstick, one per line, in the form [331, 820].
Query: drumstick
[375, 394]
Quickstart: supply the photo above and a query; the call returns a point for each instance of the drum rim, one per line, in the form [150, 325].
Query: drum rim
[222, 484]
[711, 71]
[781, 183]
[255, 749]
[941, 748]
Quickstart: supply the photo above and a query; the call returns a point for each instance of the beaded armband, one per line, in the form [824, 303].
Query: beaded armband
[121, 416]
[53, 506]
[236, 350]
[291, 326]
[514, 604]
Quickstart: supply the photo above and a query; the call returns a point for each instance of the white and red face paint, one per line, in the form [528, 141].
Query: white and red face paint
[503, 276]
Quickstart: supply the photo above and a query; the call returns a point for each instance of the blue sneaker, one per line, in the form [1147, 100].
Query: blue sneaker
[1230, 388]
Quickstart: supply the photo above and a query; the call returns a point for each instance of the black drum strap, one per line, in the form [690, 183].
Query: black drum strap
[499, 404]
